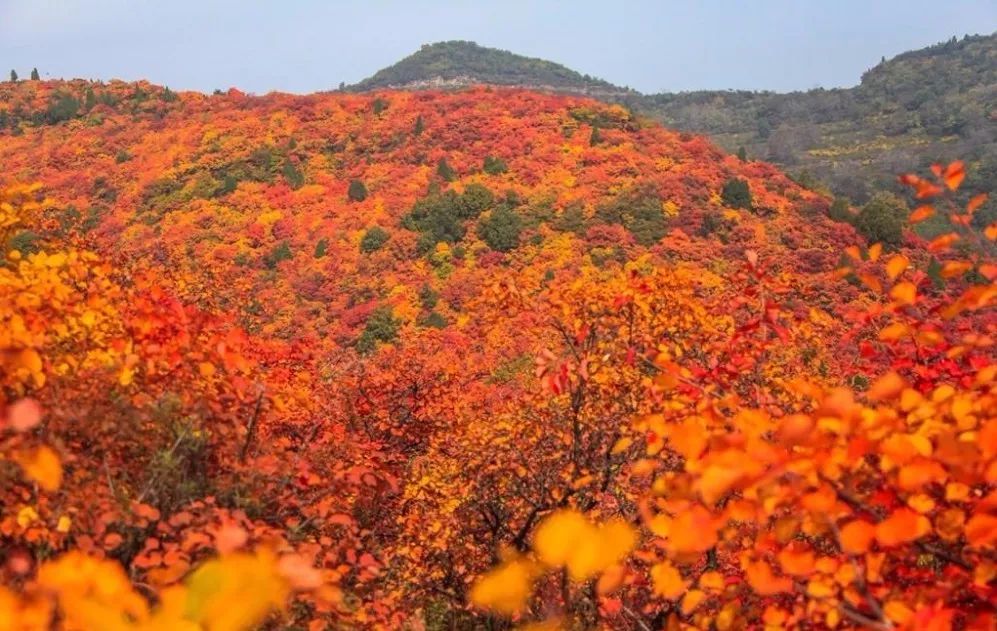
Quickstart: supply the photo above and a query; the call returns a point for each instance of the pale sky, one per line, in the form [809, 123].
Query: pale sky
[310, 45]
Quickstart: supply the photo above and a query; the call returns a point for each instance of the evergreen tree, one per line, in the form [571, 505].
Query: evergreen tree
[742, 154]
[13, 75]
[34, 74]
[595, 138]
[445, 171]
[501, 229]
[736, 194]
[882, 219]
[374, 239]
[420, 126]
[357, 191]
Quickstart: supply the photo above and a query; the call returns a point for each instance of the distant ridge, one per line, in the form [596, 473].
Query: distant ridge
[457, 64]
[938, 103]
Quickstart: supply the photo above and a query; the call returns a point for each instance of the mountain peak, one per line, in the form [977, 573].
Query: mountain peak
[459, 63]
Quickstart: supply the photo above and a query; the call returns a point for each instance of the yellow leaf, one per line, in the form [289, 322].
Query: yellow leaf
[505, 589]
[207, 369]
[896, 265]
[921, 213]
[691, 600]
[622, 445]
[668, 582]
[874, 251]
[42, 465]
[904, 293]
[64, 524]
[26, 516]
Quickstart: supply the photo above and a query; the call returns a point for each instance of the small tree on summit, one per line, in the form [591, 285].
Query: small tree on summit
[34, 74]
[357, 191]
[13, 75]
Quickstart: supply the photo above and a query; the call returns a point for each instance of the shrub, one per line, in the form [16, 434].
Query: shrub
[839, 210]
[374, 239]
[445, 171]
[381, 327]
[494, 166]
[501, 229]
[321, 248]
[736, 194]
[281, 252]
[882, 219]
[639, 211]
[357, 191]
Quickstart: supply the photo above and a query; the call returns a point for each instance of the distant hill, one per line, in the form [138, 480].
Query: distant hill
[934, 104]
[460, 63]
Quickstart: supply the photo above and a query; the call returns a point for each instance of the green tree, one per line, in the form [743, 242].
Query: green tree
[357, 191]
[379, 106]
[639, 211]
[13, 75]
[742, 154]
[736, 194]
[882, 219]
[282, 252]
[572, 219]
[293, 175]
[494, 166]
[420, 126]
[381, 327]
[321, 248]
[445, 171]
[374, 239]
[34, 74]
[839, 210]
[596, 137]
[475, 199]
[501, 229]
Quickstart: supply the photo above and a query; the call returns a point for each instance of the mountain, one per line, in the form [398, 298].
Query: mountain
[924, 106]
[460, 64]
[936, 104]
[314, 322]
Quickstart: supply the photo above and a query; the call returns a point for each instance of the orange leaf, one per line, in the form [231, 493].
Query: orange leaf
[976, 202]
[943, 242]
[42, 465]
[668, 582]
[856, 536]
[894, 331]
[874, 251]
[954, 174]
[981, 530]
[796, 562]
[886, 387]
[904, 293]
[112, 540]
[896, 265]
[24, 414]
[921, 213]
[764, 581]
[902, 526]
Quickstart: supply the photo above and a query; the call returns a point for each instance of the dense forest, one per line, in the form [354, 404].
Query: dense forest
[478, 359]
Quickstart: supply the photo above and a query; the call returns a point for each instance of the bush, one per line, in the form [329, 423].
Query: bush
[572, 219]
[494, 166]
[293, 175]
[882, 219]
[281, 252]
[374, 239]
[357, 191]
[445, 171]
[321, 248]
[639, 211]
[839, 210]
[440, 216]
[381, 327]
[736, 194]
[501, 229]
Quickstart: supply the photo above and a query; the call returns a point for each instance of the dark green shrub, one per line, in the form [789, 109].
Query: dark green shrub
[445, 171]
[736, 194]
[639, 211]
[494, 166]
[282, 252]
[357, 191]
[321, 248]
[381, 327]
[501, 229]
[882, 219]
[374, 239]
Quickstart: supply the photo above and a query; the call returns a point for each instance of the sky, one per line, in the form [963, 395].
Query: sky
[310, 45]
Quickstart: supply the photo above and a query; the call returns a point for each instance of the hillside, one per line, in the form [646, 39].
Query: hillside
[362, 348]
[461, 64]
[923, 106]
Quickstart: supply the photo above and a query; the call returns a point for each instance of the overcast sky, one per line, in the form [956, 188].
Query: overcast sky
[309, 45]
